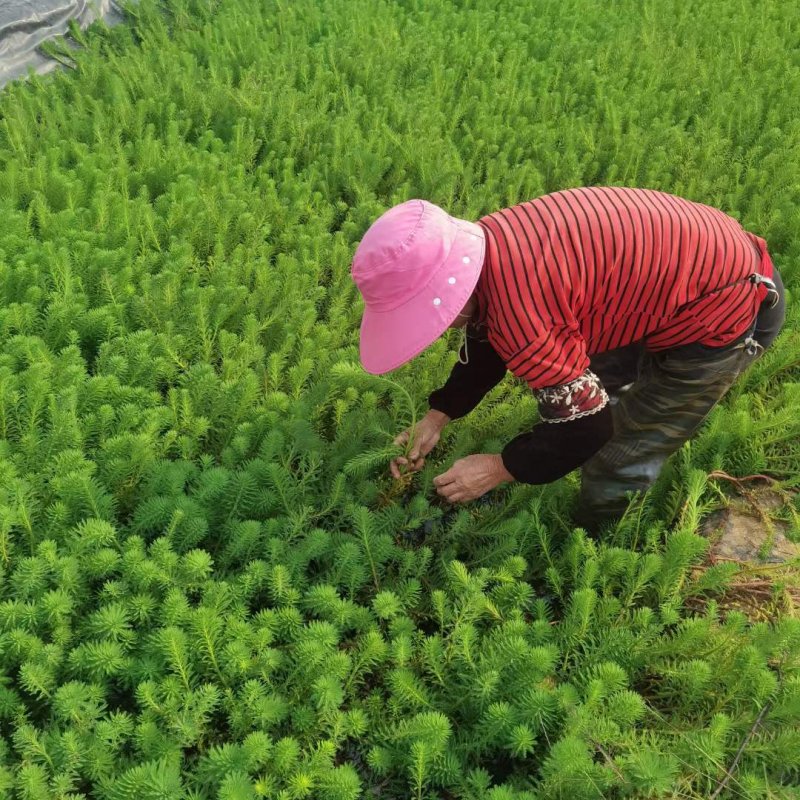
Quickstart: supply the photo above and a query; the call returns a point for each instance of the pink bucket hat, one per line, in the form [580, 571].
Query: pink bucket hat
[415, 267]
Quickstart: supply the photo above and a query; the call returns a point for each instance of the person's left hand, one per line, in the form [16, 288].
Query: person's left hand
[471, 477]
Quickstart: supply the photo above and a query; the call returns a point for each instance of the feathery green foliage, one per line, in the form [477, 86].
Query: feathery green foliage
[209, 587]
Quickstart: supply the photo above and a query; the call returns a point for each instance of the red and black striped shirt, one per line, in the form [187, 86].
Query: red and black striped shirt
[582, 271]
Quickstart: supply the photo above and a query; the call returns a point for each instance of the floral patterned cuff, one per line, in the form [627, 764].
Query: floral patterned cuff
[583, 396]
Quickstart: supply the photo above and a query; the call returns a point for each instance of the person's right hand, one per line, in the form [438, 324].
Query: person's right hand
[426, 437]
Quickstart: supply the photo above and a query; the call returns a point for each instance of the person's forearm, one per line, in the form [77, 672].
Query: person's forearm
[552, 450]
[469, 383]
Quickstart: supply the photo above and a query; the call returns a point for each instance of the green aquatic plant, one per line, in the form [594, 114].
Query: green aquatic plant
[210, 586]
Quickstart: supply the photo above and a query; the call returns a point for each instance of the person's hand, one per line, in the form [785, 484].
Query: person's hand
[426, 436]
[471, 477]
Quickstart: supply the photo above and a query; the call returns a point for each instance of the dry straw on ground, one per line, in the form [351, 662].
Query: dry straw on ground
[754, 531]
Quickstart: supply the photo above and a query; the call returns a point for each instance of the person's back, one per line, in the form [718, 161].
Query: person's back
[583, 271]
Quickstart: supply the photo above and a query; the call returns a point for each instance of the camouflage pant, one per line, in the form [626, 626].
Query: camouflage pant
[670, 394]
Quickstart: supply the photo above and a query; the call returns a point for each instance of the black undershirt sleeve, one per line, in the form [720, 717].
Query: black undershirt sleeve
[548, 452]
[552, 450]
[469, 383]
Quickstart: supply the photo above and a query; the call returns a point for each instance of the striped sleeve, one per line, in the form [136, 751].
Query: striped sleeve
[533, 328]
[554, 357]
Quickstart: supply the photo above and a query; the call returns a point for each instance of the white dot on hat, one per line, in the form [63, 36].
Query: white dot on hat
[465, 259]
[451, 280]
[437, 301]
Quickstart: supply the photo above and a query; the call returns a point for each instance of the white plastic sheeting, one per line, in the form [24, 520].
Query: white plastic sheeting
[25, 24]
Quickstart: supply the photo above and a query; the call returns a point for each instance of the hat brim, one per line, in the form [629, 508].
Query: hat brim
[389, 339]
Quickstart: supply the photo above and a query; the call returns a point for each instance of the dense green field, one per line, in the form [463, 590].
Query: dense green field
[209, 585]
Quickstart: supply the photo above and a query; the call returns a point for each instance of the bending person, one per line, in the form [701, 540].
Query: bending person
[628, 312]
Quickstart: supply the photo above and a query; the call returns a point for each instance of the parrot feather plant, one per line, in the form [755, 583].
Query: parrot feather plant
[210, 586]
